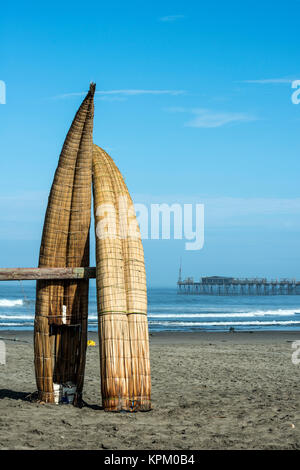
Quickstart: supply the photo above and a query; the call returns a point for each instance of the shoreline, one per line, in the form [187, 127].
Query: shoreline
[184, 337]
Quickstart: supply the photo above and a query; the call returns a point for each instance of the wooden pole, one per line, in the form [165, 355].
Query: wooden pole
[26, 274]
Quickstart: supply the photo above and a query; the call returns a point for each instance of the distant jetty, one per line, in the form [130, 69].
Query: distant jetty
[221, 285]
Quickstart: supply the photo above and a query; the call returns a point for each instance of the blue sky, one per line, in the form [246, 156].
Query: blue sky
[193, 103]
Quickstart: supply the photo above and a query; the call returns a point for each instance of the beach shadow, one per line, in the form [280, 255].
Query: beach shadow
[92, 407]
[32, 397]
[13, 395]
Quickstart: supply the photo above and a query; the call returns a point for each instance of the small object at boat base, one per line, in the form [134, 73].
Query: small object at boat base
[64, 393]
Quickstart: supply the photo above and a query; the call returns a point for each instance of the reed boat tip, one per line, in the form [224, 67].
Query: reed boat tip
[92, 88]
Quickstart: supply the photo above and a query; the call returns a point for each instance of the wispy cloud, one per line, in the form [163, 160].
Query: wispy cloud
[176, 109]
[112, 98]
[140, 92]
[224, 212]
[207, 118]
[171, 18]
[117, 94]
[268, 81]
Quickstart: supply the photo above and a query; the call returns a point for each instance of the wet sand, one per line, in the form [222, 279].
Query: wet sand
[210, 391]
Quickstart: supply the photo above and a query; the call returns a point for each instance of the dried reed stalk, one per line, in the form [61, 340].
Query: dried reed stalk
[122, 292]
[60, 338]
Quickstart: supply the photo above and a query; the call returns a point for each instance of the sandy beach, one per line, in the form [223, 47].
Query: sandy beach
[210, 391]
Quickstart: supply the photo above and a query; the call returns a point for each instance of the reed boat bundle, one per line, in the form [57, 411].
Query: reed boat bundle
[121, 292]
[60, 330]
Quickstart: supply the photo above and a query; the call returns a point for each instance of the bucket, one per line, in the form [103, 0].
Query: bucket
[64, 393]
[68, 392]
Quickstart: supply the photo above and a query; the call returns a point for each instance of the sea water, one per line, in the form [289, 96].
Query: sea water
[169, 311]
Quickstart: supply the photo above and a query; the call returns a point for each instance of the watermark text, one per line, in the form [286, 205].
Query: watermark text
[2, 92]
[296, 94]
[296, 353]
[2, 353]
[159, 221]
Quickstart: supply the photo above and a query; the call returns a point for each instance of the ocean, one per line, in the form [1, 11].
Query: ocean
[169, 311]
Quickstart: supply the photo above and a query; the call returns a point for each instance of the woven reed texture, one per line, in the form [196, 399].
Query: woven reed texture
[121, 292]
[60, 339]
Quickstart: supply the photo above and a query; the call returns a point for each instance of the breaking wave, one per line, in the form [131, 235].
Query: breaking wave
[255, 313]
[10, 303]
[228, 323]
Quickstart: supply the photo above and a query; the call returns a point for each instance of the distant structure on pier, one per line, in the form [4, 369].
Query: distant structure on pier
[221, 285]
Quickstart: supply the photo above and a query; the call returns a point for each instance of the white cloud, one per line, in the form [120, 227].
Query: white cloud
[111, 98]
[207, 118]
[267, 81]
[22, 198]
[224, 212]
[176, 109]
[232, 205]
[171, 18]
[140, 92]
[121, 93]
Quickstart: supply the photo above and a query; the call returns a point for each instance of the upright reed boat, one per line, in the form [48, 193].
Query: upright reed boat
[60, 329]
[121, 292]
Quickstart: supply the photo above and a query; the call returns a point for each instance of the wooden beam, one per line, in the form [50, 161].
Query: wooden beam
[26, 274]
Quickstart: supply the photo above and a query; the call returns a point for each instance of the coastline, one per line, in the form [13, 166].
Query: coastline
[184, 337]
[215, 390]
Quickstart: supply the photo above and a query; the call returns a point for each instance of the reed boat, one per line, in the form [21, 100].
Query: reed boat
[60, 328]
[121, 292]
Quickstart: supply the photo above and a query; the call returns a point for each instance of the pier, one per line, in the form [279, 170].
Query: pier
[220, 285]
